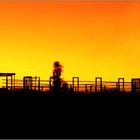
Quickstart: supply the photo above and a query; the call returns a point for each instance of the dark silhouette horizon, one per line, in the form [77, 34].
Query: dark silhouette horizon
[56, 85]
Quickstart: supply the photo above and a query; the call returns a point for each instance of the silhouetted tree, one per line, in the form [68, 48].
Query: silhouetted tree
[57, 71]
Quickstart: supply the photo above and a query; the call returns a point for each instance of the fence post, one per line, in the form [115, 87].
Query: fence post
[121, 81]
[100, 84]
[73, 80]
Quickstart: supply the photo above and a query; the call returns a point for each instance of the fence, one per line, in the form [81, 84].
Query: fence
[36, 84]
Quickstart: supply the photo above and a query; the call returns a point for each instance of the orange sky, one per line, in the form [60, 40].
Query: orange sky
[89, 39]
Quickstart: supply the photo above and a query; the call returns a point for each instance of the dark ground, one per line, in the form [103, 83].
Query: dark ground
[73, 98]
[41, 115]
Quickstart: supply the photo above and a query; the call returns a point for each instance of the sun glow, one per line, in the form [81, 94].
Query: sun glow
[89, 39]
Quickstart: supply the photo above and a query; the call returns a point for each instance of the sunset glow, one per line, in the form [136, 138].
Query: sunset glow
[89, 39]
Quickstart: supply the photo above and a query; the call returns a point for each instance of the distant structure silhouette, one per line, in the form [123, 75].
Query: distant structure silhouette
[57, 71]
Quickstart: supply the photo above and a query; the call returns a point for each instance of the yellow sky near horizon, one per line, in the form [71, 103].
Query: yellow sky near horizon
[89, 39]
